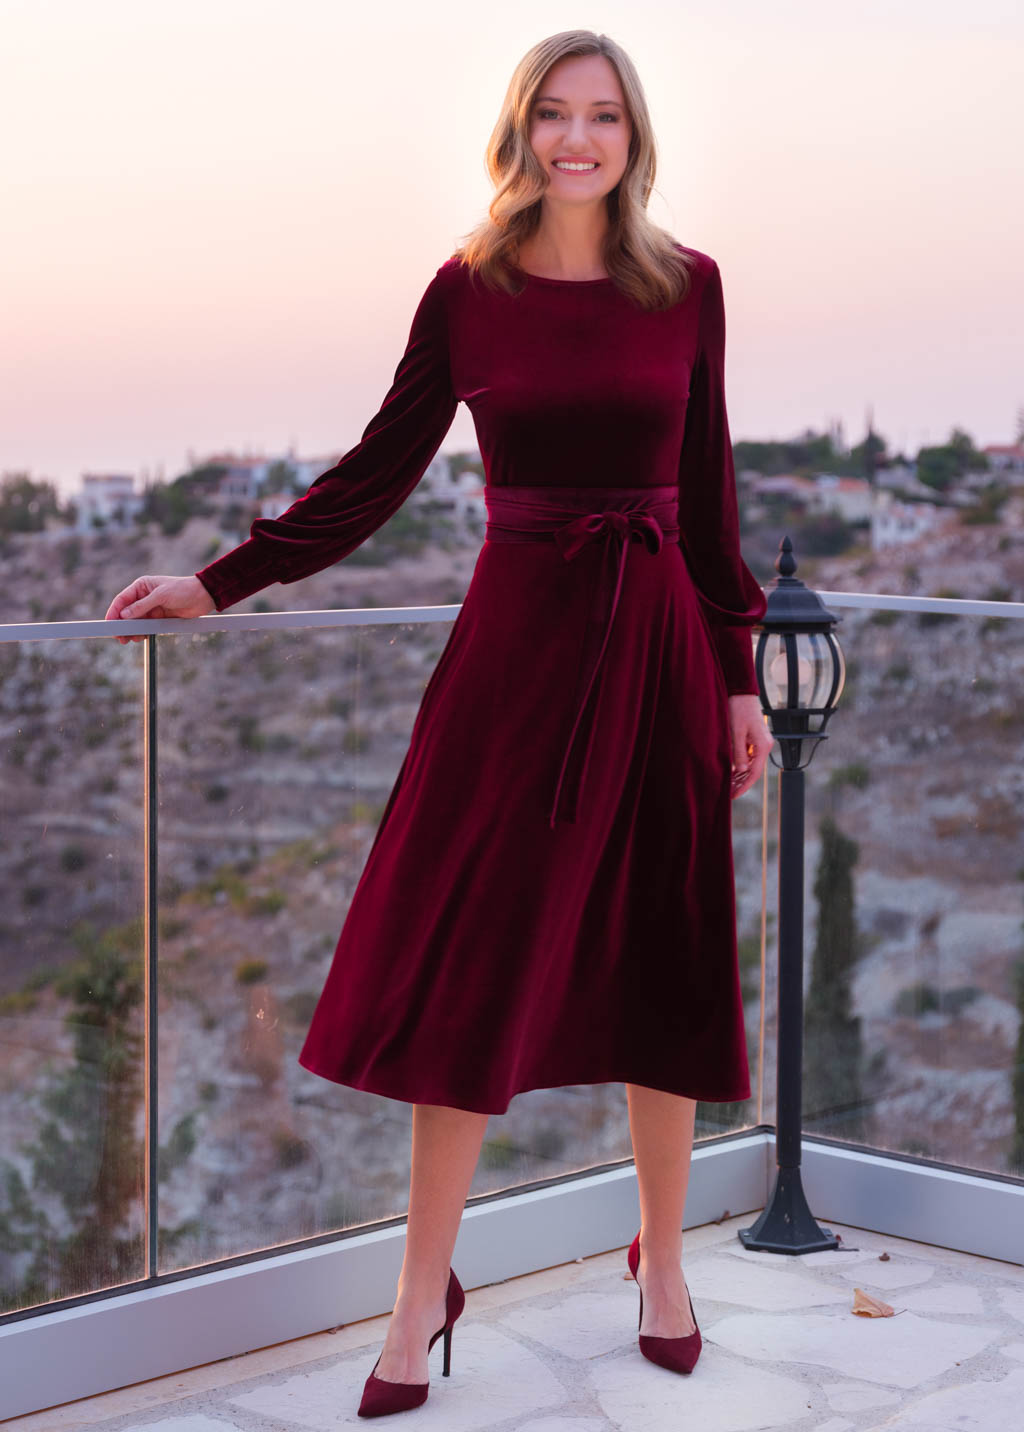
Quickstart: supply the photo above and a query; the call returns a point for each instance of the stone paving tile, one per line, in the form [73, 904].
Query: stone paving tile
[777, 1286]
[727, 1396]
[564, 1424]
[584, 1325]
[901, 1351]
[898, 1273]
[946, 1298]
[855, 1397]
[556, 1351]
[826, 1259]
[493, 1378]
[978, 1406]
[197, 1422]
[1012, 1301]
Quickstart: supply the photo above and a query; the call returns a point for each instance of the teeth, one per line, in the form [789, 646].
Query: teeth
[575, 167]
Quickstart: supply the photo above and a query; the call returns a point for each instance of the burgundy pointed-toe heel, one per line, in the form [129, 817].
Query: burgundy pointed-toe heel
[677, 1354]
[381, 1396]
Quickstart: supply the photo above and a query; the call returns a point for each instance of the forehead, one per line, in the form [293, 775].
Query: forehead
[583, 79]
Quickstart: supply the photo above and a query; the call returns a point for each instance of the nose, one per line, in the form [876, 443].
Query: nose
[578, 134]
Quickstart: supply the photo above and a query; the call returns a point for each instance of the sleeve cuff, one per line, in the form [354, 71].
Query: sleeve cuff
[236, 575]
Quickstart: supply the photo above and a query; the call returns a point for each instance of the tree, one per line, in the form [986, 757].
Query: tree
[832, 1037]
[940, 467]
[25, 504]
[88, 1152]
[172, 504]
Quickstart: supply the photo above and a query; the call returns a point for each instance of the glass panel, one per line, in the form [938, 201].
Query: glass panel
[72, 1084]
[277, 752]
[754, 824]
[914, 906]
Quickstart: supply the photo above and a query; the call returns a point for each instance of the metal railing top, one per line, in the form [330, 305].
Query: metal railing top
[367, 616]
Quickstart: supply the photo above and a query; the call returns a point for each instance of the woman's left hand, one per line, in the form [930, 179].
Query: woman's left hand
[751, 741]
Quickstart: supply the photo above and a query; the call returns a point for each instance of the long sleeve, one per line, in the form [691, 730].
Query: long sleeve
[348, 502]
[731, 597]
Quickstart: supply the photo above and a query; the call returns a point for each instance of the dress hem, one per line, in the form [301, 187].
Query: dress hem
[376, 1087]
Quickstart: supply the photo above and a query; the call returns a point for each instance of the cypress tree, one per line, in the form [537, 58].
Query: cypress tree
[833, 1098]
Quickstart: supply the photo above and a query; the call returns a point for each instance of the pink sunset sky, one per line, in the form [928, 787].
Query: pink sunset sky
[219, 215]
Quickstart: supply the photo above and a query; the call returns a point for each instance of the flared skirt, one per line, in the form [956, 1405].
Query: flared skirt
[486, 952]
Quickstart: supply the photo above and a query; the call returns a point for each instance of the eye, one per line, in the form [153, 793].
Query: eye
[605, 114]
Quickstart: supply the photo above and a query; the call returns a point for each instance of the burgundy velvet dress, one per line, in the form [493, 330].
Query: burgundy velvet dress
[549, 898]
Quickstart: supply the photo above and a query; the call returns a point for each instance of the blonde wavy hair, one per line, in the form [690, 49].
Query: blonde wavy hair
[644, 260]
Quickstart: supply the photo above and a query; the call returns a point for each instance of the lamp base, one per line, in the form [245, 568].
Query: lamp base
[787, 1225]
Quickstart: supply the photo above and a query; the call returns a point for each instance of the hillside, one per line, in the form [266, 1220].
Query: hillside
[276, 753]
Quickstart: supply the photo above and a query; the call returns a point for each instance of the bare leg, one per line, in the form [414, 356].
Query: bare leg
[445, 1149]
[661, 1127]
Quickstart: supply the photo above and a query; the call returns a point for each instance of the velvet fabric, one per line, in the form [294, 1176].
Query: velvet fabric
[549, 897]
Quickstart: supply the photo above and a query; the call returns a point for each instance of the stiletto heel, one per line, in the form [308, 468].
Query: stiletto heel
[677, 1354]
[381, 1396]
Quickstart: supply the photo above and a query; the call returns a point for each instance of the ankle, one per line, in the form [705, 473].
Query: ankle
[421, 1293]
[661, 1260]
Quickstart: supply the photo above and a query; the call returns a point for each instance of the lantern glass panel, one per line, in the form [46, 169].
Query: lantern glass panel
[814, 660]
[841, 660]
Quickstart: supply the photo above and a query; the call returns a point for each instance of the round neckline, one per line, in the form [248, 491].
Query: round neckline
[564, 282]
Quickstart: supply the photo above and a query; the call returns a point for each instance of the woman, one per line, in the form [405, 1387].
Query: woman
[549, 898]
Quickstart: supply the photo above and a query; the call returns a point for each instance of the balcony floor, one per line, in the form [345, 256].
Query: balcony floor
[556, 1351]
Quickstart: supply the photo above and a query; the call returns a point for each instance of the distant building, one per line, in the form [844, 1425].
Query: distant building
[461, 494]
[851, 497]
[1006, 458]
[894, 522]
[902, 477]
[106, 498]
[243, 478]
[784, 484]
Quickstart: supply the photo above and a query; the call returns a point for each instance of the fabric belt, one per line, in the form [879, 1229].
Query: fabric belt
[572, 518]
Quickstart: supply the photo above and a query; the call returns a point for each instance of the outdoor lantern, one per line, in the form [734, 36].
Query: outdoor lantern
[800, 673]
[799, 664]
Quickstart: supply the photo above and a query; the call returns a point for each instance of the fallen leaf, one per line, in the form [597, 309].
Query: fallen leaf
[869, 1307]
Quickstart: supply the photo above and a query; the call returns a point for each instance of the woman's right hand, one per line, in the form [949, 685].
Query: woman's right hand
[160, 597]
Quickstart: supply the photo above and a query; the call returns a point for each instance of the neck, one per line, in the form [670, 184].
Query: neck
[568, 242]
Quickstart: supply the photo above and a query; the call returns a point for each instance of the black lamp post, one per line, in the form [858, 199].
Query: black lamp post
[800, 673]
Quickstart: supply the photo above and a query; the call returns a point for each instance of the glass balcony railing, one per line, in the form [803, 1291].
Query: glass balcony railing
[185, 819]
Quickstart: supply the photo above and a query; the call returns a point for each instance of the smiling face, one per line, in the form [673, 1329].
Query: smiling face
[580, 116]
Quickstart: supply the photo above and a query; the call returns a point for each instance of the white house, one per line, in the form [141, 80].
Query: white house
[894, 522]
[784, 484]
[851, 497]
[461, 494]
[902, 477]
[1006, 458]
[106, 497]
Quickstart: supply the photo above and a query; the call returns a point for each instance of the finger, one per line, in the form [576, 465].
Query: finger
[740, 749]
[120, 601]
[142, 607]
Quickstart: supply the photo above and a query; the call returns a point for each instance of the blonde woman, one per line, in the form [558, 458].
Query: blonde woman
[549, 898]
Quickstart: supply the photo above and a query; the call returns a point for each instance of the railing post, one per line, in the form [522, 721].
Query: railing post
[151, 1171]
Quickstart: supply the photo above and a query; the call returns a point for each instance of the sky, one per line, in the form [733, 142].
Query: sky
[219, 215]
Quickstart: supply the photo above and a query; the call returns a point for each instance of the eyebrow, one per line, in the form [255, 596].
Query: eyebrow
[552, 98]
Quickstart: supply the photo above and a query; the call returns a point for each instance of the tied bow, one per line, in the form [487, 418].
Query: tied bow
[571, 538]
[576, 534]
